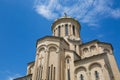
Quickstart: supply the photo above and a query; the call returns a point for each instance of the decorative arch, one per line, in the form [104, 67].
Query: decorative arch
[106, 50]
[67, 59]
[92, 48]
[41, 48]
[96, 71]
[80, 73]
[96, 64]
[85, 50]
[68, 56]
[52, 47]
[82, 68]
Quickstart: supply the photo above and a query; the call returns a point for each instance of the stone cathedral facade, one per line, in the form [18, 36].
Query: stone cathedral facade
[63, 56]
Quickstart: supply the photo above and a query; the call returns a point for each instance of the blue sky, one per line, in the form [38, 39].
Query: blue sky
[22, 22]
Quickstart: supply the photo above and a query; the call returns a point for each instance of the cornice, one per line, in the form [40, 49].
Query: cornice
[96, 41]
[48, 38]
[64, 18]
[86, 58]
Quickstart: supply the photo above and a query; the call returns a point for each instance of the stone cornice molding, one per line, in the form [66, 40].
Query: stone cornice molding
[64, 19]
[51, 38]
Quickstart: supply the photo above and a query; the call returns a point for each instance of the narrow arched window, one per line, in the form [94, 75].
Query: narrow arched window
[85, 50]
[93, 48]
[68, 67]
[75, 47]
[66, 30]
[73, 30]
[51, 72]
[59, 31]
[48, 73]
[81, 77]
[96, 75]
[68, 61]
[54, 73]
[68, 74]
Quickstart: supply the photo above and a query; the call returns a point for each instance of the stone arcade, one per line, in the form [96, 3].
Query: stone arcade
[63, 56]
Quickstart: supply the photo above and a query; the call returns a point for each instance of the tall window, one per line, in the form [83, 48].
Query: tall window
[73, 30]
[81, 77]
[75, 47]
[49, 73]
[96, 75]
[54, 73]
[54, 32]
[68, 61]
[59, 31]
[68, 67]
[68, 74]
[66, 30]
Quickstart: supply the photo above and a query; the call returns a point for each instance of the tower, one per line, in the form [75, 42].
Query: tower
[69, 29]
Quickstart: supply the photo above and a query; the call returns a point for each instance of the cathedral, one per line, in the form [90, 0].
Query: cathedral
[63, 56]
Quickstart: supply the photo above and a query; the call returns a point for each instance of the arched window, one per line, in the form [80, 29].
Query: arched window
[68, 67]
[66, 30]
[68, 71]
[85, 50]
[93, 48]
[73, 30]
[59, 31]
[48, 73]
[52, 49]
[51, 72]
[75, 47]
[96, 75]
[54, 73]
[81, 77]
[68, 61]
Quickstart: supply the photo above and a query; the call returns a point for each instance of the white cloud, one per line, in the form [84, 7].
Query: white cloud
[8, 75]
[115, 13]
[100, 35]
[13, 76]
[87, 11]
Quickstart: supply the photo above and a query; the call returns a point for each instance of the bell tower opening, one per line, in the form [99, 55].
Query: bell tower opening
[66, 29]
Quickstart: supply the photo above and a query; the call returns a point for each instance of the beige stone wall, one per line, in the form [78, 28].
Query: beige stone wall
[87, 68]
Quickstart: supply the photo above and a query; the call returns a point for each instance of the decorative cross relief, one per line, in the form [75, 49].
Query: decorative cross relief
[41, 59]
